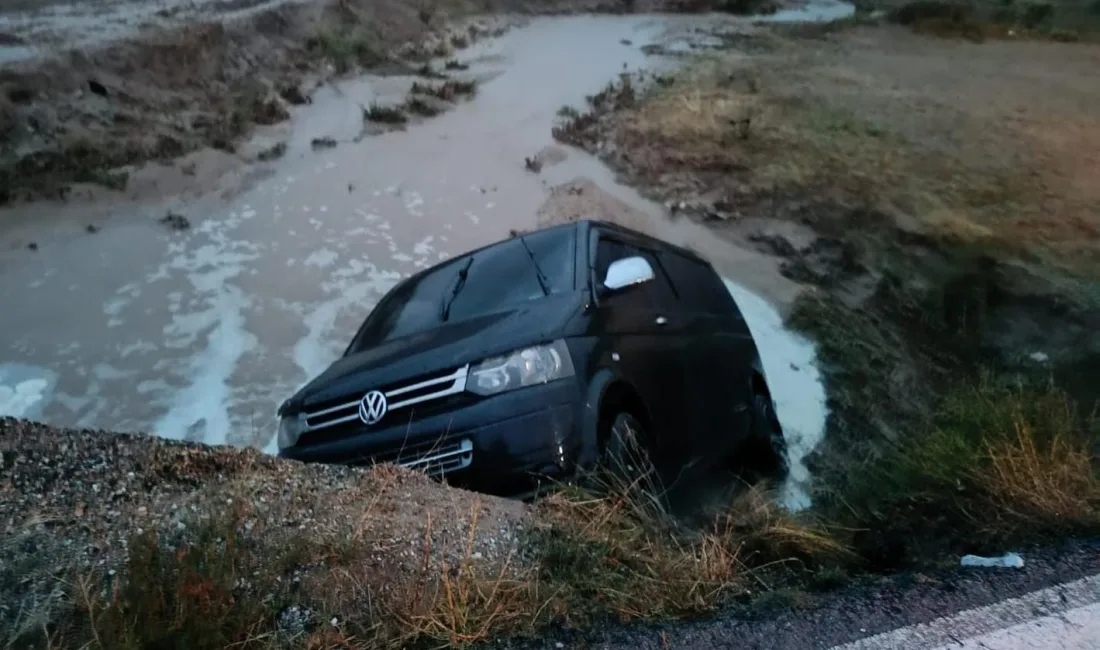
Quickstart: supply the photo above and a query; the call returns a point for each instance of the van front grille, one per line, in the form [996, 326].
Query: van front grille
[398, 397]
[433, 458]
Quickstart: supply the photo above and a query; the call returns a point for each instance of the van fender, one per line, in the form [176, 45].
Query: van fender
[590, 417]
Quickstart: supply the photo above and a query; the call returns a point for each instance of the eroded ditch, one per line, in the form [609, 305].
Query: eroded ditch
[198, 334]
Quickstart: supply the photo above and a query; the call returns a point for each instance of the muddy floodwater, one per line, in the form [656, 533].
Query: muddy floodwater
[199, 334]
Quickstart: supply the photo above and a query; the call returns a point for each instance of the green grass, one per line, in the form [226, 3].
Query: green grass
[1060, 20]
[347, 48]
[192, 596]
[997, 465]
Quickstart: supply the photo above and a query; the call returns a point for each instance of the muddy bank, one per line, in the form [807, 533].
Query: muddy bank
[101, 91]
[148, 83]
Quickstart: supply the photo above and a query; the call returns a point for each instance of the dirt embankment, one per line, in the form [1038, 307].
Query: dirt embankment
[202, 77]
[97, 525]
[105, 90]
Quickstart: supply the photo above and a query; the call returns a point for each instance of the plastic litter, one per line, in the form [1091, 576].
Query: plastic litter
[1008, 561]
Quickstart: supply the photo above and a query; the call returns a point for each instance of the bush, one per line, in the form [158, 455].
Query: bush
[1036, 14]
[999, 465]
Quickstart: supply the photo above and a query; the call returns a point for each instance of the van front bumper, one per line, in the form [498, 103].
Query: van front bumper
[502, 444]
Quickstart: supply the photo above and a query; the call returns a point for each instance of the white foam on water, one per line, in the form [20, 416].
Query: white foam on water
[790, 363]
[16, 401]
[205, 401]
[24, 389]
[216, 324]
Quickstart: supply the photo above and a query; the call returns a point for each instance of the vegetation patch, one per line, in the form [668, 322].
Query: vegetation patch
[1065, 20]
[384, 114]
[617, 551]
[447, 91]
[345, 49]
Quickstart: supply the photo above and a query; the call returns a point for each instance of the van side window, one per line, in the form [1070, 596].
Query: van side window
[657, 293]
[699, 287]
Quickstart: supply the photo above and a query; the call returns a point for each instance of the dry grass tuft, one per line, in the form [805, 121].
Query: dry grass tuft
[1012, 463]
[193, 595]
[618, 550]
[462, 604]
[1037, 480]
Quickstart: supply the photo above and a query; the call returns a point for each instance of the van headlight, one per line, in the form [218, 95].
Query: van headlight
[527, 367]
[290, 427]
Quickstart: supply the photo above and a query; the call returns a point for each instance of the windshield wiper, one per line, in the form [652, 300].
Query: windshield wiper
[445, 309]
[538, 271]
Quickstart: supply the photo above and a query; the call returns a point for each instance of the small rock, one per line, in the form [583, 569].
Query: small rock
[269, 110]
[274, 152]
[32, 246]
[295, 619]
[323, 143]
[533, 164]
[626, 41]
[176, 221]
[293, 95]
[91, 228]
[97, 88]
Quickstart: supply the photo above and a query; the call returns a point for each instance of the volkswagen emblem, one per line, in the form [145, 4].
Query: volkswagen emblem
[372, 407]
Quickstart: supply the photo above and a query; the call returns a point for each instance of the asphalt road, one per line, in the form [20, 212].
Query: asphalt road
[1052, 602]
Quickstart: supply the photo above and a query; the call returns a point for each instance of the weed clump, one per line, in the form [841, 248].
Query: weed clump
[345, 49]
[998, 465]
[193, 595]
[447, 91]
[617, 548]
[419, 106]
[384, 114]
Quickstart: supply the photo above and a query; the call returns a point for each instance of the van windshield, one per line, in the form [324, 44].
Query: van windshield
[497, 277]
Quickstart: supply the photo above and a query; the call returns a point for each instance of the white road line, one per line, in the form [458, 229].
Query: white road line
[1077, 629]
[1065, 616]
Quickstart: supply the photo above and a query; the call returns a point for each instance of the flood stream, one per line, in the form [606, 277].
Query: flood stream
[200, 334]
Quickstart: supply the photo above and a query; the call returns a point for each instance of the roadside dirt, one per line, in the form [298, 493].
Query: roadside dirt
[74, 505]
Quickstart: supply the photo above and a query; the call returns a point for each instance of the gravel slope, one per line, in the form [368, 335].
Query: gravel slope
[71, 500]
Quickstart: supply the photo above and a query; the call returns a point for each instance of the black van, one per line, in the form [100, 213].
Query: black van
[539, 355]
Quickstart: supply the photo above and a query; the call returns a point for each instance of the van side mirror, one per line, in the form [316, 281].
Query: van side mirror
[626, 272]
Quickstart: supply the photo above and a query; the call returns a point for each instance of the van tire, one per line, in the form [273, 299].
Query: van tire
[764, 454]
[625, 454]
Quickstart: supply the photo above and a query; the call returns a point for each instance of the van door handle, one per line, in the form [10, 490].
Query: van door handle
[661, 320]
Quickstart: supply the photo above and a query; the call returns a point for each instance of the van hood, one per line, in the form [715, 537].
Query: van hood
[439, 349]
